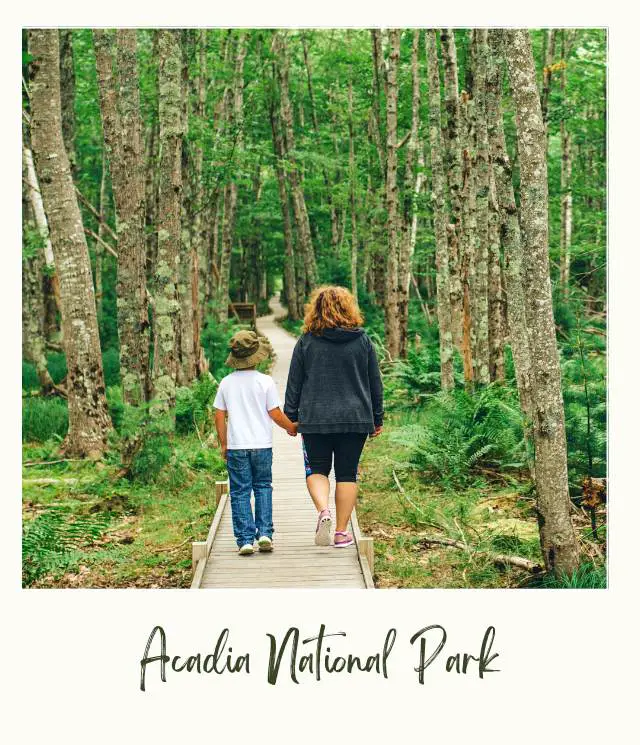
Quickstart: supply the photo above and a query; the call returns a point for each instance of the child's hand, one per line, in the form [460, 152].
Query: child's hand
[293, 429]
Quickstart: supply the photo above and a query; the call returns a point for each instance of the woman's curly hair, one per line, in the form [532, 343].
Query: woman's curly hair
[331, 307]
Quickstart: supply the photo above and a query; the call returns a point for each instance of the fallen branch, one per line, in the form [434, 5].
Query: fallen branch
[516, 561]
[46, 482]
[51, 462]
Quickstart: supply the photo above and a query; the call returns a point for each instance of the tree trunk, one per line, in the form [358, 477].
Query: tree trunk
[439, 215]
[166, 307]
[33, 310]
[98, 251]
[199, 240]
[299, 206]
[557, 537]
[495, 135]
[468, 242]
[122, 127]
[547, 72]
[68, 95]
[391, 319]
[289, 279]
[409, 201]
[566, 210]
[453, 168]
[480, 307]
[89, 421]
[234, 123]
[188, 262]
[353, 175]
[515, 281]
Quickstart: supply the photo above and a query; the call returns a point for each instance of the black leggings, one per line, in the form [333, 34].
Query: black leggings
[345, 447]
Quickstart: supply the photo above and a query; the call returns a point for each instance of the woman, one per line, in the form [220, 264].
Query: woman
[334, 393]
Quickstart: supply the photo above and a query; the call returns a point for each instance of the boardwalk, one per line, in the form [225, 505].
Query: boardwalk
[295, 561]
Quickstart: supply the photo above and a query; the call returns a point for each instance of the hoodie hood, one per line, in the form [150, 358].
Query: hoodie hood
[342, 336]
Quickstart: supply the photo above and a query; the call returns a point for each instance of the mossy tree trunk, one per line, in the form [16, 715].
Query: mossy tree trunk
[33, 339]
[557, 536]
[89, 420]
[68, 95]
[515, 280]
[480, 307]
[166, 307]
[453, 172]
[122, 128]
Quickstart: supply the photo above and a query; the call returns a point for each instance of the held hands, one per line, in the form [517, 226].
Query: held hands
[293, 429]
[376, 431]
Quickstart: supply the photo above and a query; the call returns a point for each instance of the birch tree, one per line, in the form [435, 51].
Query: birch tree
[439, 214]
[89, 421]
[411, 178]
[391, 317]
[557, 537]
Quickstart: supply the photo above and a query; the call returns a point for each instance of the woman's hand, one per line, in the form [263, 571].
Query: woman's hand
[376, 431]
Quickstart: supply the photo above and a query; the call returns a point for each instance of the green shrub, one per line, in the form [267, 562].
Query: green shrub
[153, 444]
[462, 434]
[194, 405]
[215, 342]
[44, 418]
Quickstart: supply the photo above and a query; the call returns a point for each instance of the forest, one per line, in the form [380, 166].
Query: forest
[455, 180]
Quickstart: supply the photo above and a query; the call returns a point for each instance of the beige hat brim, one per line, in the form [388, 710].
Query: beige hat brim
[242, 363]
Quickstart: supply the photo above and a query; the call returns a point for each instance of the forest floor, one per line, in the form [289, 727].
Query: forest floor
[94, 529]
[489, 519]
[403, 514]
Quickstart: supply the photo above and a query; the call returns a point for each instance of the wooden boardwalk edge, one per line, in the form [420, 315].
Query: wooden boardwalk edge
[202, 556]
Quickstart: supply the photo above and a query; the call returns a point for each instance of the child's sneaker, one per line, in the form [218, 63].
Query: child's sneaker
[323, 529]
[265, 543]
[246, 550]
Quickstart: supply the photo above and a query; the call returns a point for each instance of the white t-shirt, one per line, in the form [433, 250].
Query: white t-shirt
[248, 396]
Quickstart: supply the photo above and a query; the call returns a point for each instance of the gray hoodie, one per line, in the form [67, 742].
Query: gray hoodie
[334, 383]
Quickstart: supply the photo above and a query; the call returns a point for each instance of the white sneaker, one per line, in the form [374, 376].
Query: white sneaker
[265, 543]
[246, 550]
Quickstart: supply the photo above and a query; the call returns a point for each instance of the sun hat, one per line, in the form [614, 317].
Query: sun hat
[247, 350]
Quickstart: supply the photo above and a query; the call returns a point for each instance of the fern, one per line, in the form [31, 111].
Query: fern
[51, 541]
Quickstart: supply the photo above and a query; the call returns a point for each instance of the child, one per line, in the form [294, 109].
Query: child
[250, 400]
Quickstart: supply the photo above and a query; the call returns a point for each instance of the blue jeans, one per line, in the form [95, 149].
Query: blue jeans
[250, 470]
